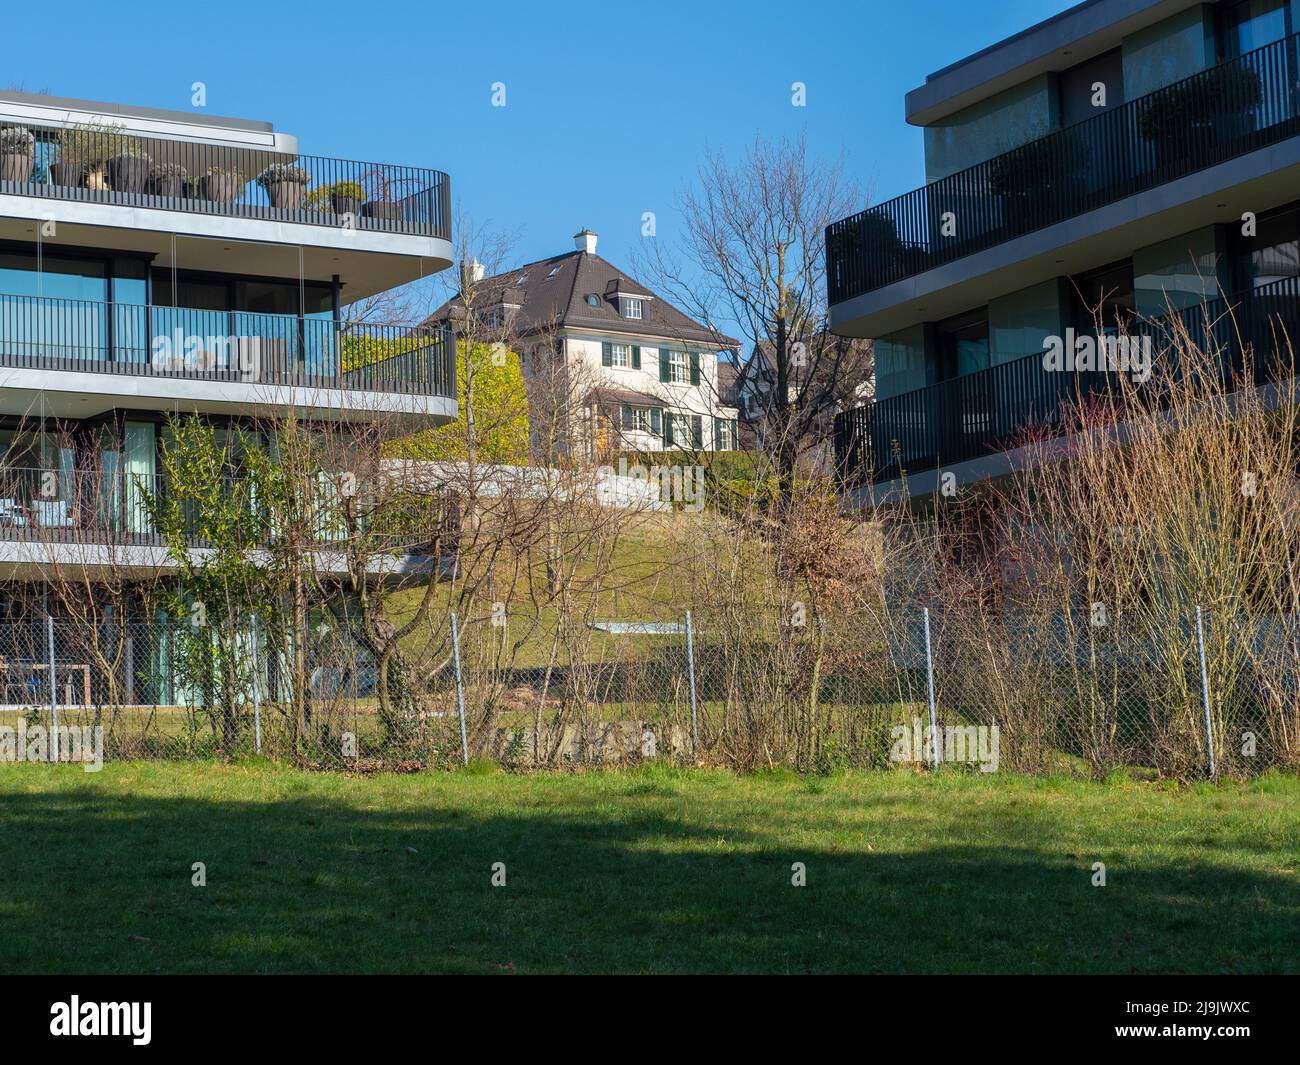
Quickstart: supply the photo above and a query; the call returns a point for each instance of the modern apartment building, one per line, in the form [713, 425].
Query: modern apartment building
[1105, 170]
[156, 263]
[644, 373]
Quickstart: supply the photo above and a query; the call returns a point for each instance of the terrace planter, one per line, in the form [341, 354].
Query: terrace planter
[387, 209]
[220, 188]
[345, 204]
[16, 166]
[129, 173]
[171, 187]
[1198, 142]
[68, 173]
[286, 195]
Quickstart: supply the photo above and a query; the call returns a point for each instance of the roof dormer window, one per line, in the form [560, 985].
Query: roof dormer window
[631, 307]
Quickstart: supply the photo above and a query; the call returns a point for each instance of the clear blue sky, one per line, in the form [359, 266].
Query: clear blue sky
[608, 106]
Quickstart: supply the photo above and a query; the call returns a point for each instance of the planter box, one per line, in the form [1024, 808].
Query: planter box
[16, 167]
[382, 209]
[69, 174]
[286, 195]
[220, 188]
[129, 173]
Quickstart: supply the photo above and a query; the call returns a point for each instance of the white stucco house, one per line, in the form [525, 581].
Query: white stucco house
[648, 372]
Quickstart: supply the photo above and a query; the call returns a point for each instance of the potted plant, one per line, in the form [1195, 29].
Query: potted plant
[168, 179]
[17, 153]
[381, 205]
[1214, 108]
[284, 184]
[221, 184]
[83, 149]
[1055, 163]
[381, 209]
[347, 196]
[128, 170]
[343, 197]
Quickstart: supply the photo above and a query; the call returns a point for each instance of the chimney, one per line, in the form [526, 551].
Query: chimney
[471, 272]
[585, 241]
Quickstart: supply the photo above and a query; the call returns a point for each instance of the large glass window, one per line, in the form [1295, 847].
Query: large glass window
[267, 312]
[55, 313]
[1252, 24]
[37, 478]
[962, 344]
[1273, 253]
[60, 277]
[1103, 299]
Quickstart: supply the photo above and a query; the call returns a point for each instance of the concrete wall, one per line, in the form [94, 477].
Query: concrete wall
[1019, 321]
[991, 127]
[1169, 51]
[1181, 272]
[901, 363]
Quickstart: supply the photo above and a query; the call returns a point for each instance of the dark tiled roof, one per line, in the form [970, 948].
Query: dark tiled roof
[552, 293]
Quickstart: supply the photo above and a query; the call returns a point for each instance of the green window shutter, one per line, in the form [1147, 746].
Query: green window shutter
[606, 356]
[668, 425]
[636, 356]
[717, 434]
[695, 367]
[697, 431]
[627, 415]
[657, 421]
[663, 365]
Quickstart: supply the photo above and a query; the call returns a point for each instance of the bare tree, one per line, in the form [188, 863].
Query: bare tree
[753, 250]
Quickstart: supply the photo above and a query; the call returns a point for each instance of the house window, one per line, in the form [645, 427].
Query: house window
[725, 434]
[631, 308]
[679, 368]
[620, 355]
[642, 419]
[686, 430]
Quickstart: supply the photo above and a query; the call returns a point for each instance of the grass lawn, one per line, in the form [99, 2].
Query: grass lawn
[639, 870]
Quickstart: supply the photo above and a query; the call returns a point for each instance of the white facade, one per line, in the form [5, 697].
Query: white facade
[629, 370]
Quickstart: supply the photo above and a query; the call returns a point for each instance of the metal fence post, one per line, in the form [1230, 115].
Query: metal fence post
[54, 692]
[929, 680]
[460, 689]
[257, 689]
[1205, 691]
[690, 671]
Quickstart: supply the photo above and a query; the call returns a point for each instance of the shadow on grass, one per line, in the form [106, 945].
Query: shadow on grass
[101, 882]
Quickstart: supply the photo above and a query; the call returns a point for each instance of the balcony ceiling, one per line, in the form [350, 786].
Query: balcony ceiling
[366, 263]
[1075, 35]
[74, 396]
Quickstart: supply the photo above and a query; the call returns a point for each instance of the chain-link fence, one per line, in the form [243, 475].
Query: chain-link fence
[1189, 694]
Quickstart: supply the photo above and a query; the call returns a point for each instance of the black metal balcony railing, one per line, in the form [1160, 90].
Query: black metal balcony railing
[981, 413]
[1218, 114]
[77, 506]
[47, 333]
[105, 164]
[111, 505]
